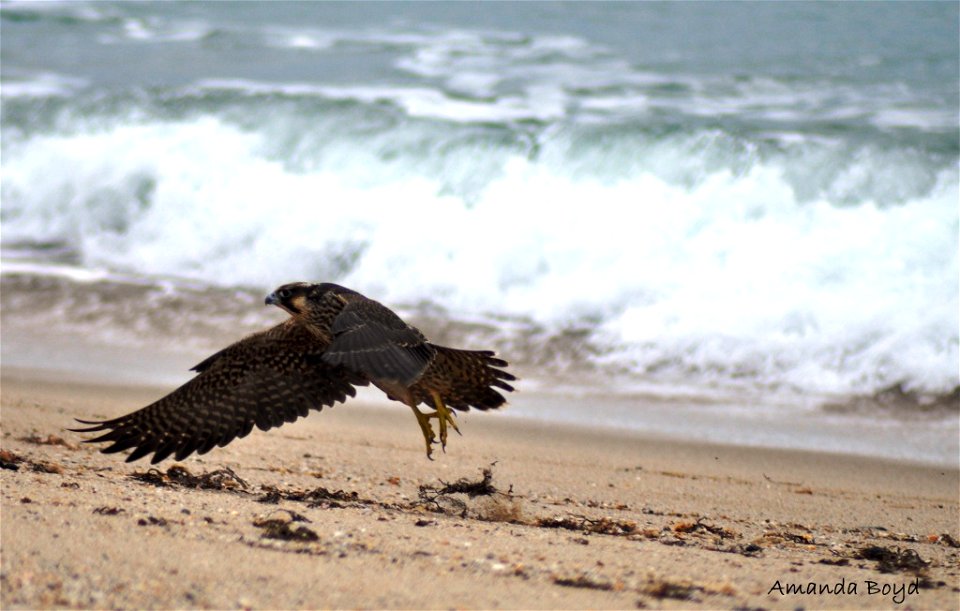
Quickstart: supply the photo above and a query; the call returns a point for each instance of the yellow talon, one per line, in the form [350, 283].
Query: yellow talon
[424, 421]
[444, 417]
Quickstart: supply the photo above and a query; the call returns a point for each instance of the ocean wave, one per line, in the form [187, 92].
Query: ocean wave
[482, 75]
[687, 206]
[414, 101]
[153, 30]
[23, 84]
[64, 11]
[729, 274]
[604, 93]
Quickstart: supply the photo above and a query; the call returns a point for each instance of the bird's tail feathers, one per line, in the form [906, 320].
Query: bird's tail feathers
[468, 378]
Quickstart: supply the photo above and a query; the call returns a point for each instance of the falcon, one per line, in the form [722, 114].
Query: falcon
[335, 340]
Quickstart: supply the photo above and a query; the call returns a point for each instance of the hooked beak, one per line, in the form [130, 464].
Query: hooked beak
[275, 299]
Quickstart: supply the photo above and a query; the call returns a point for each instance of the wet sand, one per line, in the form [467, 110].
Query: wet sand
[342, 509]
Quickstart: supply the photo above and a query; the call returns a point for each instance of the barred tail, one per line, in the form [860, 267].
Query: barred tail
[465, 379]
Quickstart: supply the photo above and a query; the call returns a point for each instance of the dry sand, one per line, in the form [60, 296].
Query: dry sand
[581, 518]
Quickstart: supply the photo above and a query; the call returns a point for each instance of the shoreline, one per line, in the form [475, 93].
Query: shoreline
[918, 441]
[106, 351]
[583, 517]
[96, 307]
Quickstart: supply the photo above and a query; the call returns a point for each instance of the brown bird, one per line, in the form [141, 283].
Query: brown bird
[336, 339]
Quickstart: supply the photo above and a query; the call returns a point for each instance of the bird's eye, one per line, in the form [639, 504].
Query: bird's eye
[283, 293]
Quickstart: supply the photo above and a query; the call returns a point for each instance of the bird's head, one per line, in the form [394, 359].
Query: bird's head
[299, 298]
[291, 297]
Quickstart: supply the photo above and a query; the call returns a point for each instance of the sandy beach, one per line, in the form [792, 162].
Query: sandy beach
[716, 243]
[343, 510]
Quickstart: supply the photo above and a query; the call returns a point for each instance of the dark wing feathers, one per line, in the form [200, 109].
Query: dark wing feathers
[464, 379]
[370, 338]
[280, 374]
[267, 379]
[205, 363]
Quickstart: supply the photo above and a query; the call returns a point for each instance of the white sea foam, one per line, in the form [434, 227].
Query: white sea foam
[39, 85]
[156, 31]
[543, 104]
[730, 276]
[913, 116]
[494, 88]
[70, 272]
[300, 40]
[473, 76]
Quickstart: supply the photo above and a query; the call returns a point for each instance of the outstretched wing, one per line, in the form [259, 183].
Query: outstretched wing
[369, 338]
[464, 379]
[266, 379]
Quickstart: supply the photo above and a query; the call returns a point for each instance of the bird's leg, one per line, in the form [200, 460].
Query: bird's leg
[444, 417]
[424, 421]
